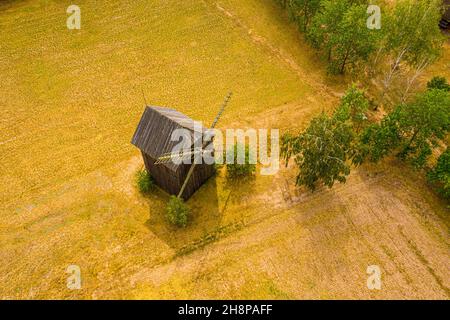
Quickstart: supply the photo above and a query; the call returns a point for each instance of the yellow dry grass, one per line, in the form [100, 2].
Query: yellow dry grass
[70, 101]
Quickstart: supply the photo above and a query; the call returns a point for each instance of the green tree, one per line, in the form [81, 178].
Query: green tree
[353, 107]
[325, 151]
[303, 11]
[440, 174]
[412, 36]
[378, 140]
[423, 123]
[323, 25]
[321, 152]
[413, 129]
[340, 30]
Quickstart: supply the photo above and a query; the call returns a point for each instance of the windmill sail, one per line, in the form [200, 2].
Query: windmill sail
[180, 156]
[186, 154]
[205, 143]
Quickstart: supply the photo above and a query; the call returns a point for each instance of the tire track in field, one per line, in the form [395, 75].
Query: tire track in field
[277, 52]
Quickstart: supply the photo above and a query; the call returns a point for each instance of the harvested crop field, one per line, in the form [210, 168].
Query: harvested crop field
[70, 101]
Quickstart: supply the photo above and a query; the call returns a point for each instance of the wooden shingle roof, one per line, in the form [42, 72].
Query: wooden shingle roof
[153, 134]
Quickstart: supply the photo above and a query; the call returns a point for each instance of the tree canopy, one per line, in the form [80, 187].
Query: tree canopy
[340, 30]
[324, 152]
[412, 130]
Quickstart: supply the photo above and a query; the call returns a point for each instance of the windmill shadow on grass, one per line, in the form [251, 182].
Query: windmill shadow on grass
[205, 218]
[239, 189]
[210, 217]
[154, 136]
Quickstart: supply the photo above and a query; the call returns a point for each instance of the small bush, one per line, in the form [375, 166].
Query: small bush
[438, 83]
[234, 169]
[177, 212]
[144, 181]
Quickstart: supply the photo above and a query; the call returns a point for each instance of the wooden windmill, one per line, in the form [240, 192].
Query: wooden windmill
[182, 155]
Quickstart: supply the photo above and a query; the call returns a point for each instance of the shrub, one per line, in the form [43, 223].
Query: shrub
[438, 83]
[234, 169]
[177, 212]
[440, 174]
[144, 181]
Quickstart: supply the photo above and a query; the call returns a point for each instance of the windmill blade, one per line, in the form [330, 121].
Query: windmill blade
[167, 157]
[205, 143]
[222, 107]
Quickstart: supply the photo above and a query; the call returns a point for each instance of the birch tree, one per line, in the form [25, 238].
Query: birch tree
[412, 37]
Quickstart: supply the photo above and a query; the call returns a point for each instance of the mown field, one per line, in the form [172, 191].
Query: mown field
[70, 101]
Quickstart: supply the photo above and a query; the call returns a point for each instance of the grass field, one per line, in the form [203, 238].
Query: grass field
[70, 101]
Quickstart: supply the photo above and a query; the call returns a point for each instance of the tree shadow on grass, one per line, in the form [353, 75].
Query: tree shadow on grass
[7, 4]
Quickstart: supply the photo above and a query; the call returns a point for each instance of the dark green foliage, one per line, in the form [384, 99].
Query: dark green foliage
[378, 140]
[413, 130]
[353, 107]
[303, 11]
[338, 28]
[144, 181]
[320, 152]
[340, 31]
[440, 174]
[438, 83]
[325, 151]
[235, 170]
[423, 123]
[177, 212]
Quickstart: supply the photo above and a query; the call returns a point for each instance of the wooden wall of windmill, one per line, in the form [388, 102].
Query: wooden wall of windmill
[153, 138]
